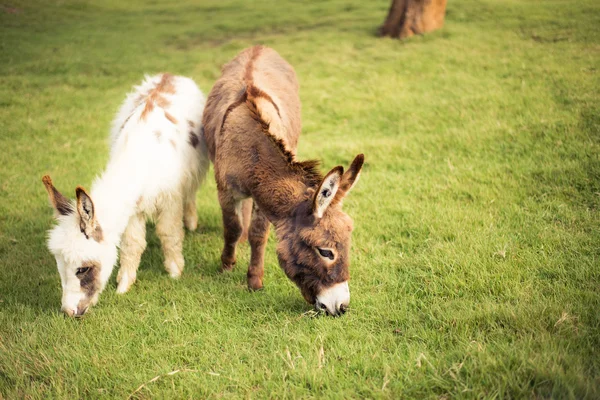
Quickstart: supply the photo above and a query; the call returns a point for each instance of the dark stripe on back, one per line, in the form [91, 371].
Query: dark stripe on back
[255, 92]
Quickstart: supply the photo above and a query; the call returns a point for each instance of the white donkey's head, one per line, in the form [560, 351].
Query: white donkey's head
[83, 256]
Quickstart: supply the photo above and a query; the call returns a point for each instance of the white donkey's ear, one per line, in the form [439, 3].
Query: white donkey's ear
[61, 205]
[326, 191]
[87, 215]
[350, 177]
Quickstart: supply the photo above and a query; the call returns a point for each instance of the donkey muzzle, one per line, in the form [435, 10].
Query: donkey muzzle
[75, 312]
[334, 300]
[69, 311]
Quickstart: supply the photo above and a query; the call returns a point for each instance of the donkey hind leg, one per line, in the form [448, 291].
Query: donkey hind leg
[132, 247]
[169, 228]
[232, 228]
[257, 236]
[246, 218]
[190, 213]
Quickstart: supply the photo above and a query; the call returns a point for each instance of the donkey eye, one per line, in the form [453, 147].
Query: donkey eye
[82, 271]
[326, 253]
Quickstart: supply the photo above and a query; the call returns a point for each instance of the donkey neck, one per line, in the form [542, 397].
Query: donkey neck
[278, 184]
[116, 193]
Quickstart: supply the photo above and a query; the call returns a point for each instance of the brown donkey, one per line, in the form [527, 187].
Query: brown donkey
[251, 126]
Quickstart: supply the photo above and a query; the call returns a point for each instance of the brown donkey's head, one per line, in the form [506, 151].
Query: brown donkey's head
[314, 245]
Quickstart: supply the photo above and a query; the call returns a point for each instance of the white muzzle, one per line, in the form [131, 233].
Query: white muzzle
[335, 299]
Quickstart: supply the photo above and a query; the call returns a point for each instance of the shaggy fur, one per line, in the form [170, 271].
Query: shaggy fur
[251, 126]
[158, 160]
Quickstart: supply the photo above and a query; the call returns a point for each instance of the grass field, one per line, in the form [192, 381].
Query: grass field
[476, 251]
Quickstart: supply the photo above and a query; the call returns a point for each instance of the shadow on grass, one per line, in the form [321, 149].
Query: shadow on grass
[196, 263]
[258, 35]
[29, 278]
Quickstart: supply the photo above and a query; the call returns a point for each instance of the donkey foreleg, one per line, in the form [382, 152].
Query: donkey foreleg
[257, 236]
[232, 228]
[133, 245]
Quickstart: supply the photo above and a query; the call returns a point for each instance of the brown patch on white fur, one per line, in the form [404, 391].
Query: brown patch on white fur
[191, 124]
[89, 279]
[170, 117]
[157, 134]
[98, 235]
[125, 122]
[173, 143]
[156, 95]
[193, 139]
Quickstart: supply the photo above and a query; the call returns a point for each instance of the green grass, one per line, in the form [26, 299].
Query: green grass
[476, 257]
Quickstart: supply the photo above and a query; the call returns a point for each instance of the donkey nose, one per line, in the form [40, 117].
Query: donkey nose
[340, 310]
[320, 306]
[334, 300]
[343, 308]
[81, 311]
[69, 311]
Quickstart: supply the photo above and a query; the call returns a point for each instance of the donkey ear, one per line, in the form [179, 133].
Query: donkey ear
[61, 205]
[350, 177]
[85, 209]
[327, 190]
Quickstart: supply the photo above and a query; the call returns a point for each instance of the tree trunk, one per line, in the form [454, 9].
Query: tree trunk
[413, 17]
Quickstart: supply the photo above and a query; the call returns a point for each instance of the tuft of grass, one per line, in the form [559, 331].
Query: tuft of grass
[475, 268]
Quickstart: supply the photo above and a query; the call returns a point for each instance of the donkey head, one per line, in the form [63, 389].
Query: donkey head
[314, 246]
[84, 259]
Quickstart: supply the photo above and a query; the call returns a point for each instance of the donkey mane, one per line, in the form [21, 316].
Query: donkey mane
[309, 169]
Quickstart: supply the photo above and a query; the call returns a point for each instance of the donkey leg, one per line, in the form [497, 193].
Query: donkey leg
[232, 228]
[132, 247]
[246, 218]
[257, 236]
[169, 228]
[190, 213]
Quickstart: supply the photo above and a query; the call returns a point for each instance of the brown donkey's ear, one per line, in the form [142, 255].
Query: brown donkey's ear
[87, 217]
[61, 205]
[327, 190]
[350, 177]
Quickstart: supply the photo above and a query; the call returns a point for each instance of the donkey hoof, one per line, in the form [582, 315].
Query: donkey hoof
[191, 223]
[123, 287]
[125, 283]
[255, 283]
[175, 274]
[226, 267]
[174, 270]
